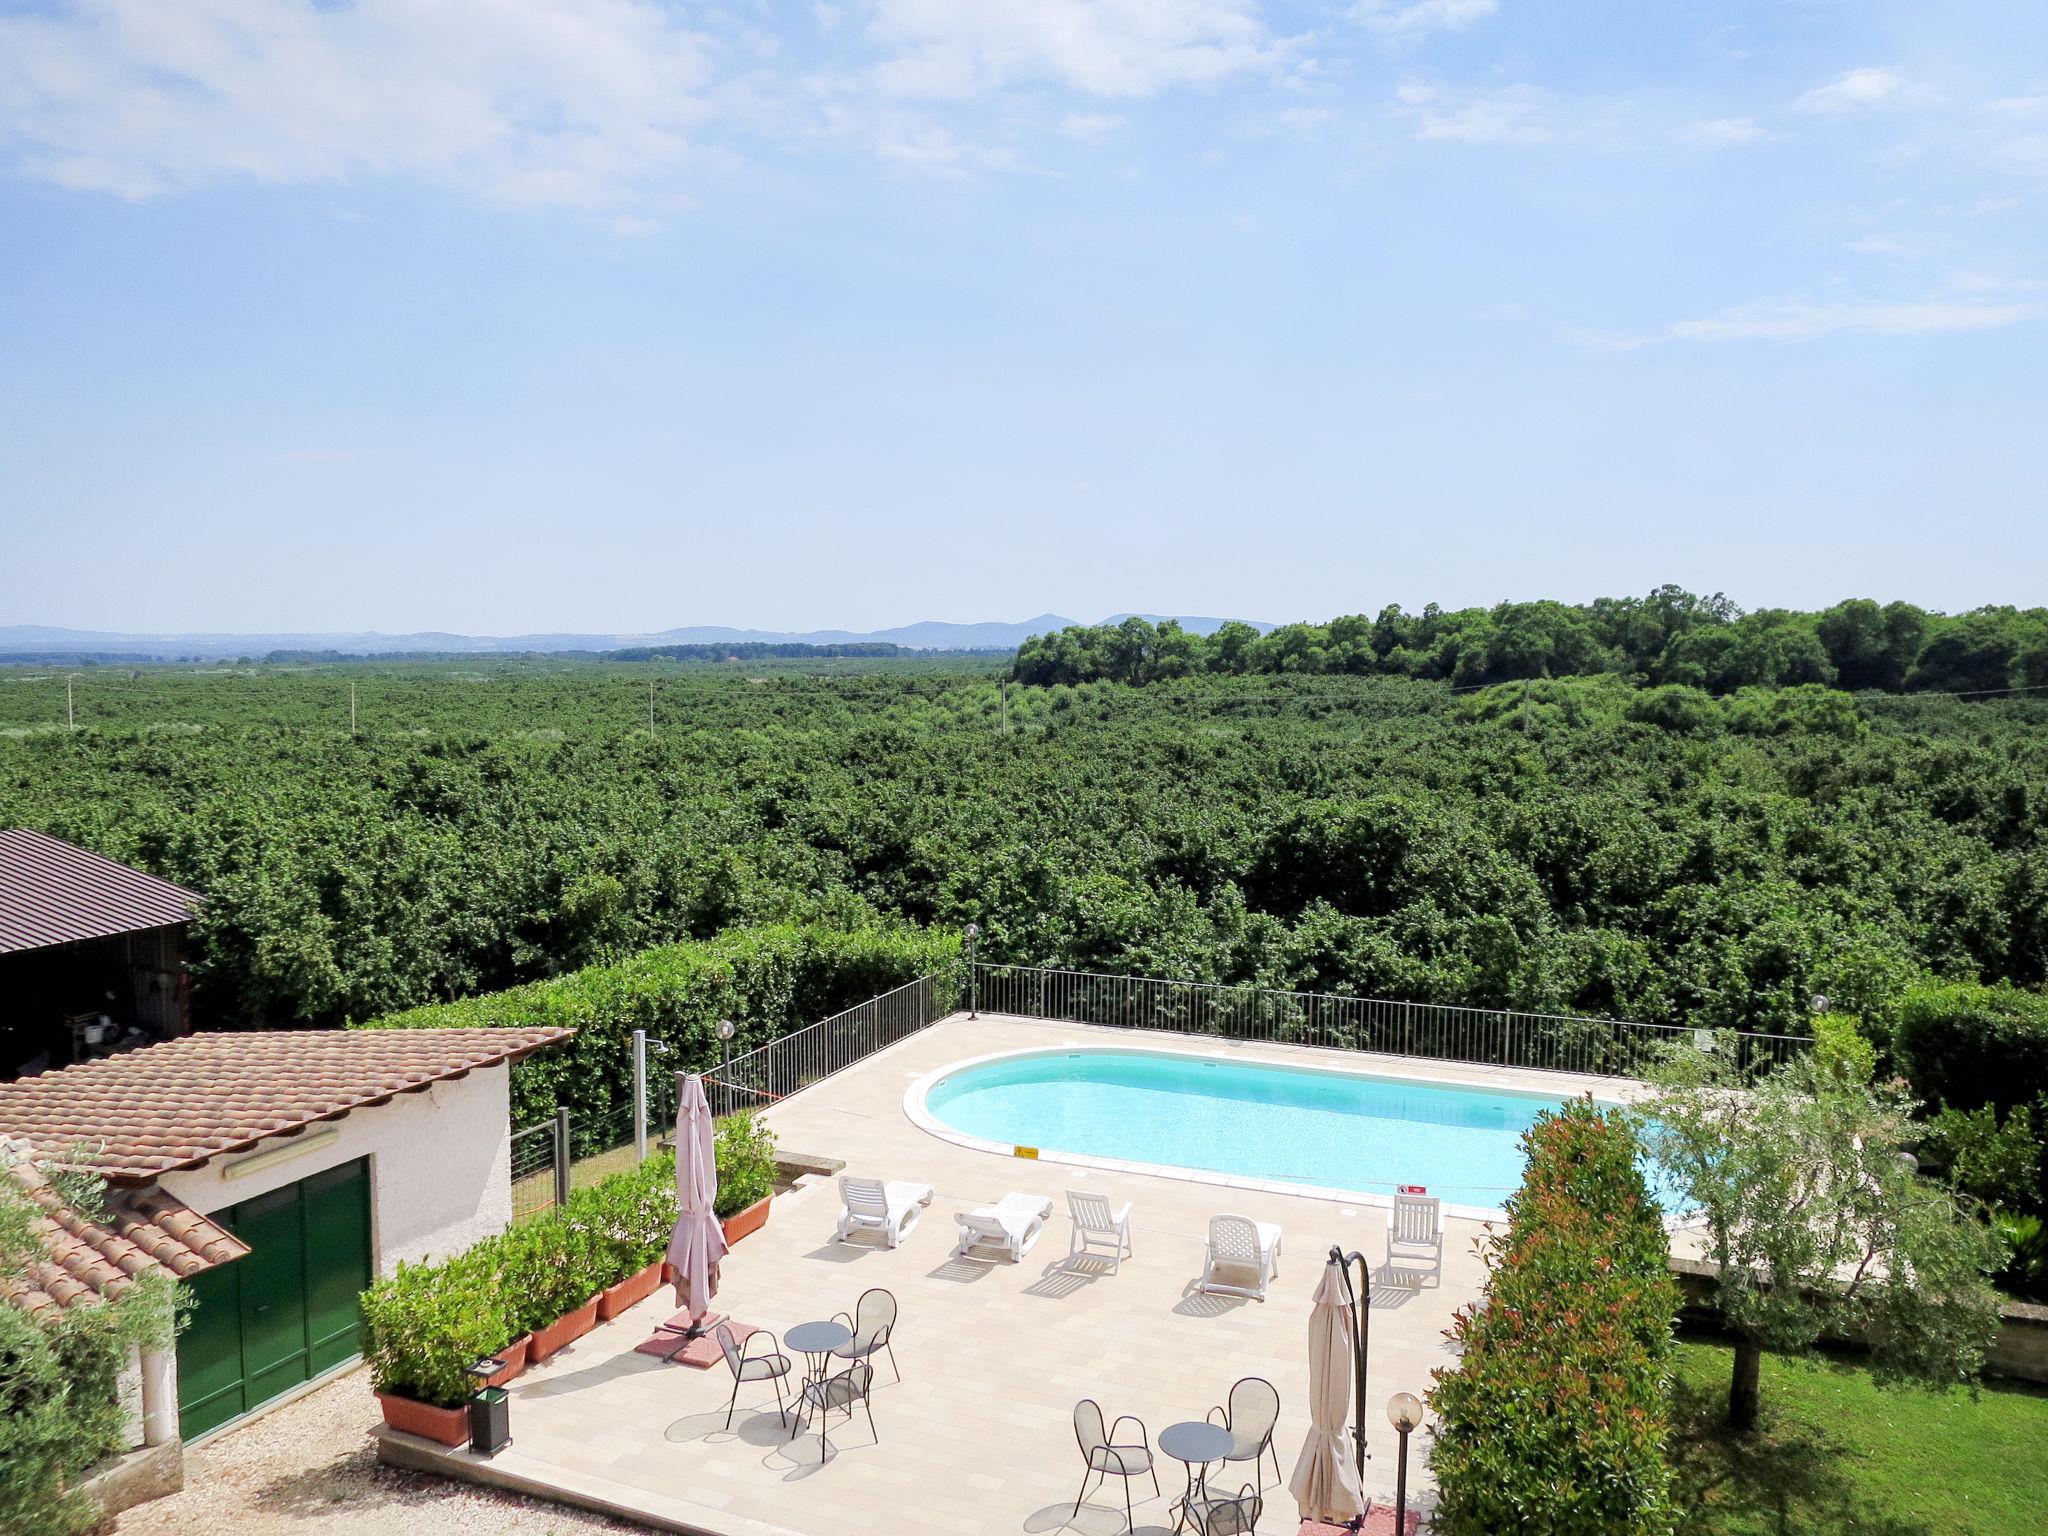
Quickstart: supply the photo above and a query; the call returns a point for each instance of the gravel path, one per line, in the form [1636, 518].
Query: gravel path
[308, 1470]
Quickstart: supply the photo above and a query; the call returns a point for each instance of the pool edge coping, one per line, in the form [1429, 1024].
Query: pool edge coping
[919, 1115]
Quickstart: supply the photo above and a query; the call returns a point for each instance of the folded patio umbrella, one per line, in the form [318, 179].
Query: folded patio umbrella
[698, 1242]
[1325, 1482]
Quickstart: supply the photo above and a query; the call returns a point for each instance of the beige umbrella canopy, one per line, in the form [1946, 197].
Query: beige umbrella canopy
[698, 1242]
[1325, 1482]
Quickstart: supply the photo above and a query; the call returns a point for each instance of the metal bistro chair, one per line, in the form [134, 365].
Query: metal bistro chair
[829, 1394]
[772, 1365]
[872, 1324]
[1108, 1459]
[1252, 1411]
[1225, 1514]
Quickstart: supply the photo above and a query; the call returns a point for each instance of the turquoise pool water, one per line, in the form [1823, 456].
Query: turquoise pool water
[1296, 1125]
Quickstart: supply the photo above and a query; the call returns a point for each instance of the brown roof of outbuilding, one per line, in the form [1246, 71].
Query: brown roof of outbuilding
[53, 892]
[85, 1258]
[176, 1105]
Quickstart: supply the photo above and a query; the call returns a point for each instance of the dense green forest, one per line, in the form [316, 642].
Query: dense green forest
[1671, 636]
[1583, 844]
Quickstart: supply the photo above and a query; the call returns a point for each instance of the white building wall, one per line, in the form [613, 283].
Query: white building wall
[440, 1168]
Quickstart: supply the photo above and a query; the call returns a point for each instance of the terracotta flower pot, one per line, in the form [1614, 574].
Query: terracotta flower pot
[446, 1426]
[562, 1330]
[514, 1356]
[740, 1223]
[636, 1287]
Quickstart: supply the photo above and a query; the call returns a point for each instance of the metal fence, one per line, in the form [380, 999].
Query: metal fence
[1498, 1037]
[569, 1151]
[797, 1060]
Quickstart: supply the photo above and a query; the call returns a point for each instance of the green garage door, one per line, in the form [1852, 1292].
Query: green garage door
[288, 1311]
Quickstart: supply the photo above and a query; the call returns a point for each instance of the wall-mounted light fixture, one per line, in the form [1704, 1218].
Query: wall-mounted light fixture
[298, 1146]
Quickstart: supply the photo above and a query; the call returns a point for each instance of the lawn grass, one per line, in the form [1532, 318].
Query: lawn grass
[1837, 1455]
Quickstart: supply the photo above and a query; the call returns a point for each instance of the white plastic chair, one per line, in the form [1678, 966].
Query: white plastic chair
[1095, 1223]
[1238, 1245]
[869, 1205]
[1010, 1227]
[1415, 1230]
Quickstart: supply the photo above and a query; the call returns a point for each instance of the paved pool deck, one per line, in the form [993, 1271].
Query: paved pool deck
[977, 1437]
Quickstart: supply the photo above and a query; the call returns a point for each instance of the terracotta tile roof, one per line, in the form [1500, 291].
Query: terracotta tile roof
[52, 892]
[142, 1232]
[178, 1104]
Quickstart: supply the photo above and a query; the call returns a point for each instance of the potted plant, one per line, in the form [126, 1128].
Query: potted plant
[426, 1326]
[634, 1214]
[745, 1154]
[560, 1275]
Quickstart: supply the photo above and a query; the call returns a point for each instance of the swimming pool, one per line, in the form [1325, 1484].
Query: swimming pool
[1254, 1121]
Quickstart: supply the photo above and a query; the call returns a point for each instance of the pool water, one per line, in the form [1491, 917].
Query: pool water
[1297, 1125]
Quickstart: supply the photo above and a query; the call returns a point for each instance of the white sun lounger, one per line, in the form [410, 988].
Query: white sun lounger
[869, 1205]
[1239, 1246]
[1007, 1229]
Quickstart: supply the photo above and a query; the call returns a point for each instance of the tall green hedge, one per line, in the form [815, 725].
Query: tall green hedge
[1555, 1418]
[767, 980]
[1966, 1045]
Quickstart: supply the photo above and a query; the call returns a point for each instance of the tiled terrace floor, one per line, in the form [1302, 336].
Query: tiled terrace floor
[977, 1437]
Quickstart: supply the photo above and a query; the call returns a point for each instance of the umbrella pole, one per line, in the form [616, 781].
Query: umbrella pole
[1360, 1297]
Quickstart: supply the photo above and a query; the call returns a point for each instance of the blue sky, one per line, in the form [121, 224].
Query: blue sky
[501, 315]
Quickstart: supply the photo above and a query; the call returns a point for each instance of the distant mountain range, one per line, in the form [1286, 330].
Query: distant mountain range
[43, 640]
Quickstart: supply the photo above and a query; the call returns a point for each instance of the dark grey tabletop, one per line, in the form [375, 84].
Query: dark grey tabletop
[817, 1338]
[1195, 1441]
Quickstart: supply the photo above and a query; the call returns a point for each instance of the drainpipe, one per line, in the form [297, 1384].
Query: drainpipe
[159, 1397]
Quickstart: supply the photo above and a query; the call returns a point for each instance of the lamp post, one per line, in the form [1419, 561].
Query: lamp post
[726, 1030]
[973, 932]
[1360, 1297]
[1404, 1412]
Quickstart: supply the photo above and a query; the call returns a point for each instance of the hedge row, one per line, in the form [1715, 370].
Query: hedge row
[1967, 1045]
[428, 1323]
[767, 980]
[1555, 1418]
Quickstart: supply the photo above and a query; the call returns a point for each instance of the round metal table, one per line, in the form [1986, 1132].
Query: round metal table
[1194, 1444]
[815, 1342]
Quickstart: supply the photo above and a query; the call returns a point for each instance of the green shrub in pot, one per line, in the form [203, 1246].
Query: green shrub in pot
[745, 1156]
[428, 1324]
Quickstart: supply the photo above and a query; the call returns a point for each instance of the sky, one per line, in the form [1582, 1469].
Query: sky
[499, 316]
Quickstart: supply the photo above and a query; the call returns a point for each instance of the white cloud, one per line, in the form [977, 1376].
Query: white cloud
[1803, 322]
[1875, 245]
[1853, 92]
[1725, 132]
[578, 102]
[1407, 18]
[2024, 108]
[1090, 127]
[1510, 114]
[960, 48]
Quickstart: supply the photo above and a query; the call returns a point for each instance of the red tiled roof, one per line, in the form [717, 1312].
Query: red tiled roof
[85, 1258]
[54, 893]
[176, 1105]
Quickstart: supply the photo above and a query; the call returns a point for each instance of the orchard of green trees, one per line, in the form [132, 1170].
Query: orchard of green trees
[1579, 844]
[1671, 636]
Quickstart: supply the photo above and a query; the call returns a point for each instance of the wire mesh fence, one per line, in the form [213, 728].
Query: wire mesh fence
[1497, 1037]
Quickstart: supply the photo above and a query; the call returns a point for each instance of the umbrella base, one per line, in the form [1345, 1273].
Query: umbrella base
[1378, 1521]
[684, 1340]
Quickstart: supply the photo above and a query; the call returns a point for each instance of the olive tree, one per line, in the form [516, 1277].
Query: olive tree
[1815, 1218]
